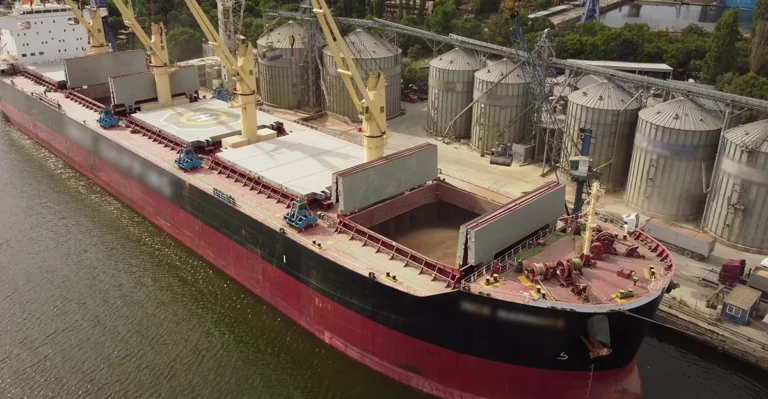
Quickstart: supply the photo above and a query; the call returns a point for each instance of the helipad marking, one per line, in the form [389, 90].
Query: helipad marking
[202, 118]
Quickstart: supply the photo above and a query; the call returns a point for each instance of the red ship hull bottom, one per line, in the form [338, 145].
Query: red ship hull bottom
[435, 370]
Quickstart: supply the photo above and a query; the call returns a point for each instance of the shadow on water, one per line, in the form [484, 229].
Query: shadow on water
[673, 366]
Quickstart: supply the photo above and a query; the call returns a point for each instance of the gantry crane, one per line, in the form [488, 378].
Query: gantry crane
[242, 69]
[157, 48]
[95, 28]
[372, 107]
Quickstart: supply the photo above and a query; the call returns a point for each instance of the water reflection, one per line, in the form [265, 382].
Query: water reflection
[672, 18]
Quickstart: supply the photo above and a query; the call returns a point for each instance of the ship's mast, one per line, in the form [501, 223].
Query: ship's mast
[157, 48]
[586, 256]
[94, 28]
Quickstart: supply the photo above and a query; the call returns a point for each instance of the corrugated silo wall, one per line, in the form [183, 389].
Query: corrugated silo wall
[738, 203]
[450, 91]
[281, 82]
[338, 101]
[613, 133]
[498, 116]
[665, 175]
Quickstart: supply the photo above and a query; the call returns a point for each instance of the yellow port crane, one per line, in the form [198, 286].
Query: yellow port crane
[242, 69]
[94, 28]
[372, 106]
[157, 48]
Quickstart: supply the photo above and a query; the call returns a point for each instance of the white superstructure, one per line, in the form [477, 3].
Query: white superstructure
[37, 34]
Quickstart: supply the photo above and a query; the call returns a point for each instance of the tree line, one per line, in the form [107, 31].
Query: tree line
[726, 58]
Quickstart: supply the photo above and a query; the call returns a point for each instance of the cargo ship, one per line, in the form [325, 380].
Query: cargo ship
[449, 288]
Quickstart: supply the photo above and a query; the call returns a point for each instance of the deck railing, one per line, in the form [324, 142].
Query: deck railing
[507, 260]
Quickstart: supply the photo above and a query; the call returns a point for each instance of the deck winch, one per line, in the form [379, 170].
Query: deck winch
[188, 160]
[300, 217]
[107, 118]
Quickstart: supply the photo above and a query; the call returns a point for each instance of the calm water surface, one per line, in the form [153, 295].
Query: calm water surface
[671, 17]
[95, 302]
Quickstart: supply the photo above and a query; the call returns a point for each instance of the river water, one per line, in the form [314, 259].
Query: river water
[95, 302]
[672, 18]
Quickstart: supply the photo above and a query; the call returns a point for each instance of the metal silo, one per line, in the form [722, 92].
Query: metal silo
[451, 79]
[371, 54]
[282, 54]
[499, 116]
[674, 142]
[737, 211]
[611, 113]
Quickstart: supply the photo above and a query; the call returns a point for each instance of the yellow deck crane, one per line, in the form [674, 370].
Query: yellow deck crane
[372, 106]
[157, 48]
[94, 28]
[242, 69]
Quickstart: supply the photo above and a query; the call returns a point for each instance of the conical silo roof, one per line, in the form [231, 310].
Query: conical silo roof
[494, 72]
[753, 136]
[681, 114]
[456, 60]
[365, 45]
[603, 95]
[280, 37]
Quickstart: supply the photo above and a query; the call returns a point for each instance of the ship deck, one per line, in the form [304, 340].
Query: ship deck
[352, 254]
[603, 280]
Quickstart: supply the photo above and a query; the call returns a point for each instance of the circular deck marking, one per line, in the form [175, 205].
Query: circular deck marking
[202, 118]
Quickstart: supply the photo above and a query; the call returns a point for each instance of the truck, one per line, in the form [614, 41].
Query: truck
[734, 272]
[687, 242]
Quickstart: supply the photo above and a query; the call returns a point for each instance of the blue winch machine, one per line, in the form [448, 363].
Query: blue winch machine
[188, 160]
[300, 217]
[107, 119]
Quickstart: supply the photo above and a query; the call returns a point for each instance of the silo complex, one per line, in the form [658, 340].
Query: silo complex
[737, 211]
[282, 81]
[612, 115]
[672, 142]
[371, 54]
[451, 79]
[498, 115]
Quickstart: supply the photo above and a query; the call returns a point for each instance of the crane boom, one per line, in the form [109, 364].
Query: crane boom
[242, 69]
[157, 49]
[372, 106]
[94, 28]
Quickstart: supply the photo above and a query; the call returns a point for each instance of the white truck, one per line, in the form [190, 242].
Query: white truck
[684, 241]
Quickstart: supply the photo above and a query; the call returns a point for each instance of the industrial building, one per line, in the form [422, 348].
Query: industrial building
[675, 144]
[371, 54]
[451, 83]
[737, 212]
[500, 112]
[611, 113]
[282, 57]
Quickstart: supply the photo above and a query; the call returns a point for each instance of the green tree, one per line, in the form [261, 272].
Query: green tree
[184, 44]
[400, 10]
[421, 15]
[723, 54]
[485, 7]
[468, 27]
[444, 13]
[415, 76]
[415, 52]
[378, 8]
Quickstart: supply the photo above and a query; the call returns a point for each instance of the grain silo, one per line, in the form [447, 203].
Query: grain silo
[371, 54]
[282, 54]
[612, 115]
[737, 211]
[674, 142]
[499, 115]
[451, 80]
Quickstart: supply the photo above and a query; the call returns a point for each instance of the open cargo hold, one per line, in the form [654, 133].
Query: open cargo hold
[426, 219]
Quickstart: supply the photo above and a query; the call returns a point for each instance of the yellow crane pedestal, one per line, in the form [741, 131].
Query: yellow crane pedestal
[95, 29]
